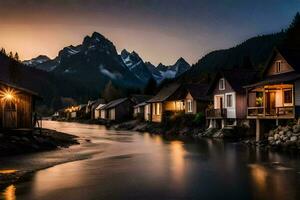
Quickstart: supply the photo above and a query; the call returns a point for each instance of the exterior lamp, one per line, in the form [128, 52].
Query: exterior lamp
[8, 95]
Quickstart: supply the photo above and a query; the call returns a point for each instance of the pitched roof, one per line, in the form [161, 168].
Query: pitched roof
[114, 103]
[138, 98]
[276, 79]
[198, 91]
[166, 93]
[141, 104]
[237, 78]
[19, 88]
[97, 102]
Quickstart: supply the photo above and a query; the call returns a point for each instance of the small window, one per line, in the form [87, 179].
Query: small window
[278, 66]
[189, 106]
[222, 84]
[288, 96]
[229, 101]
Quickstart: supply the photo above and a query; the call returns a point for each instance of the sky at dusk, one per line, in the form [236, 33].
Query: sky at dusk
[159, 30]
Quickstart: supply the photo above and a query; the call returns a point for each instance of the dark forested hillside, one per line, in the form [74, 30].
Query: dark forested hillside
[257, 49]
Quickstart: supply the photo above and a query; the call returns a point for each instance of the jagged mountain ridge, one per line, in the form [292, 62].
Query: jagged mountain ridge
[98, 54]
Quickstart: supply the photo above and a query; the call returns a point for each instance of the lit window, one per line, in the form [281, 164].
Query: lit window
[229, 100]
[278, 66]
[288, 96]
[222, 84]
[189, 106]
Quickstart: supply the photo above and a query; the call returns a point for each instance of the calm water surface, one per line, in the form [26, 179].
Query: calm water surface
[128, 165]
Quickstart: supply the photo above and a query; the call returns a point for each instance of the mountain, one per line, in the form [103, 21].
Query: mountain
[136, 65]
[42, 62]
[94, 63]
[169, 72]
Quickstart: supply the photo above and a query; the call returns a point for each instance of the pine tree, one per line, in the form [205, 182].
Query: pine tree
[292, 34]
[10, 54]
[3, 51]
[16, 57]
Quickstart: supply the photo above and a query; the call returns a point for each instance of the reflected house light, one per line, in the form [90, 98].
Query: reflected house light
[10, 193]
[259, 175]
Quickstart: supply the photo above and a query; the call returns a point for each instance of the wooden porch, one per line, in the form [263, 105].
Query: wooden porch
[271, 102]
[216, 113]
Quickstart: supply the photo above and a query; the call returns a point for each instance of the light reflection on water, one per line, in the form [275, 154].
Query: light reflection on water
[145, 166]
[9, 193]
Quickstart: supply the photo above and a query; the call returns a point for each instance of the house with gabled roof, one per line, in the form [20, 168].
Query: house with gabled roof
[117, 110]
[196, 98]
[229, 97]
[277, 95]
[17, 106]
[170, 99]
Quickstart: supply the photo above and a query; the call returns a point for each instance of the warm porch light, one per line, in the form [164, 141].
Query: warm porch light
[8, 94]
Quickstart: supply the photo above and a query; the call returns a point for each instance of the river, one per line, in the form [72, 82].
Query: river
[128, 165]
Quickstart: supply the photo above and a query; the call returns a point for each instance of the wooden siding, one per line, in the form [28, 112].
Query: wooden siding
[239, 109]
[112, 114]
[228, 88]
[285, 67]
[297, 93]
[241, 106]
[22, 117]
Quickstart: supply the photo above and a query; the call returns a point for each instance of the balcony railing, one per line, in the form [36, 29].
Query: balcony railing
[216, 113]
[287, 111]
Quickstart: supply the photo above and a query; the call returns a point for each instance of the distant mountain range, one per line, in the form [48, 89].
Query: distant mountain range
[96, 60]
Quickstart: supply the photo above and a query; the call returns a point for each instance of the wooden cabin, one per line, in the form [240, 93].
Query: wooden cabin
[229, 97]
[139, 110]
[170, 99]
[95, 108]
[196, 98]
[17, 106]
[118, 110]
[97, 111]
[277, 96]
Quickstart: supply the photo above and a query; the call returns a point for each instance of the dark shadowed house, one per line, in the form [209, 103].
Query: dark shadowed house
[17, 106]
[229, 97]
[196, 98]
[277, 96]
[140, 102]
[118, 110]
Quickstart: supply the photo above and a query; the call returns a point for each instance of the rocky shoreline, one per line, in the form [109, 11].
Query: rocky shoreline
[17, 142]
[23, 141]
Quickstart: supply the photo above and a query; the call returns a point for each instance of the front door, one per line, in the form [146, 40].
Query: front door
[10, 115]
[270, 103]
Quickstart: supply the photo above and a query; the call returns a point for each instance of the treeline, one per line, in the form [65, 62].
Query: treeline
[12, 55]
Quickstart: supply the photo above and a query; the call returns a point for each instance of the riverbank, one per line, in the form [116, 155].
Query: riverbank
[14, 142]
[20, 142]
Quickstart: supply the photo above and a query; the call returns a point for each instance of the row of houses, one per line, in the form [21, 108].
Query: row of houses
[235, 97]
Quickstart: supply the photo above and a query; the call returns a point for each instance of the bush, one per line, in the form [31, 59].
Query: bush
[199, 118]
